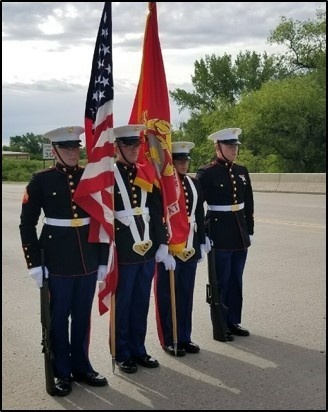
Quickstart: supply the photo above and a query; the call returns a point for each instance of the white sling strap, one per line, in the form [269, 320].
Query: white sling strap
[192, 223]
[127, 218]
[189, 251]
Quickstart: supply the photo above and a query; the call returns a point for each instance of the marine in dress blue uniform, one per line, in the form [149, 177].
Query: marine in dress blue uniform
[141, 239]
[228, 193]
[185, 263]
[71, 262]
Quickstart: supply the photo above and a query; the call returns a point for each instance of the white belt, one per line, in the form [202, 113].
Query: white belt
[67, 222]
[226, 208]
[131, 212]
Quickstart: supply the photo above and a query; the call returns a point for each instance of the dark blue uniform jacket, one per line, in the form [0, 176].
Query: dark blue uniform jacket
[67, 250]
[226, 183]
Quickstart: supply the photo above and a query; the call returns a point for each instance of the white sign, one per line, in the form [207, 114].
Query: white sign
[47, 151]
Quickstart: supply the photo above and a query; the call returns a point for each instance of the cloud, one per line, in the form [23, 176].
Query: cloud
[48, 49]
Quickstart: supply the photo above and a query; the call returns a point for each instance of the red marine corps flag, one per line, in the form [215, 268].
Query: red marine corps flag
[151, 107]
[95, 190]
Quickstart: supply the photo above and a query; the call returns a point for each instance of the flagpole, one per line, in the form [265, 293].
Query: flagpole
[112, 317]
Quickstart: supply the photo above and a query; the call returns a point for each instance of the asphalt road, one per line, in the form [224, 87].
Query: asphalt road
[281, 366]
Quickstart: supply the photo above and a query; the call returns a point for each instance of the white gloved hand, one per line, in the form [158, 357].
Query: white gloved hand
[169, 262]
[203, 252]
[102, 273]
[251, 238]
[37, 275]
[208, 245]
[161, 253]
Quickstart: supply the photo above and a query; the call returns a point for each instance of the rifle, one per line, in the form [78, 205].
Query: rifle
[46, 341]
[174, 312]
[218, 309]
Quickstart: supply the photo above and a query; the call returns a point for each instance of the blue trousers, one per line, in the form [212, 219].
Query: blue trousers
[229, 267]
[70, 306]
[132, 305]
[184, 275]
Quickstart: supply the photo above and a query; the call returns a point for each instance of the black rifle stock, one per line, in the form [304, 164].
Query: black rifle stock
[217, 309]
[45, 322]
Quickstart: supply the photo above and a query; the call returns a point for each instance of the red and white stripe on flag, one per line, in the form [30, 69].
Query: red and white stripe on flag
[95, 192]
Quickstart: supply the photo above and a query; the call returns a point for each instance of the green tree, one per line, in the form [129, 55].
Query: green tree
[217, 80]
[32, 144]
[286, 119]
[305, 42]
[27, 143]
[279, 101]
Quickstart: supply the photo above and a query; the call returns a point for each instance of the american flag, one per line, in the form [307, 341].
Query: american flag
[95, 190]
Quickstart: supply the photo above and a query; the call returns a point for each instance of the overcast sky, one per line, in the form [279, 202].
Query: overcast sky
[47, 50]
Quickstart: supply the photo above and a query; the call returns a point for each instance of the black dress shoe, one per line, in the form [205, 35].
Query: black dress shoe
[127, 366]
[228, 336]
[63, 387]
[170, 350]
[91, 378]
[238, 330]
[147, 361]
[190, 347]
